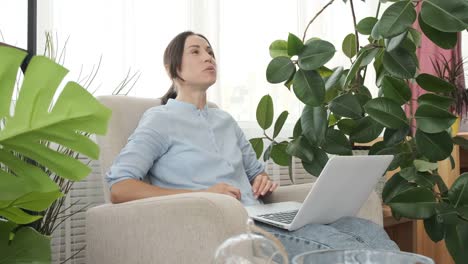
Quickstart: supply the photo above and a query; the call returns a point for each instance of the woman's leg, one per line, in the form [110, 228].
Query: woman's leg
[371, 234]
[346, 233]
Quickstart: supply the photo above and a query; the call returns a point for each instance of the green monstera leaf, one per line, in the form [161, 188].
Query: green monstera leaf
[37, 119]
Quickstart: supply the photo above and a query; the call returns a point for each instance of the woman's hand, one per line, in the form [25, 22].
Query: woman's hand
[227, 189]
[262, 185]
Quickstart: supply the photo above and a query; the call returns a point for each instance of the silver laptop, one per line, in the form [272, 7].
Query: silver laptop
[341, 189]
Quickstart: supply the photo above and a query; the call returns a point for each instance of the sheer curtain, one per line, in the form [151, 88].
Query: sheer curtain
[131, 36]
[13, 23]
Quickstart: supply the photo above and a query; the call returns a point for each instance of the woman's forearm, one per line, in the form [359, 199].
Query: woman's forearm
[129, 190]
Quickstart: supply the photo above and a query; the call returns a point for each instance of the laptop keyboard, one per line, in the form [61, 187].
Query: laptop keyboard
[282, 217]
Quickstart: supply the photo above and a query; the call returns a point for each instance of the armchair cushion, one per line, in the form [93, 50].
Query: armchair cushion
[181, 228]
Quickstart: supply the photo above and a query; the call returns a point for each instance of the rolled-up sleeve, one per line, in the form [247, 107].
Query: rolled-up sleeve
[252, 165]
[143, 149]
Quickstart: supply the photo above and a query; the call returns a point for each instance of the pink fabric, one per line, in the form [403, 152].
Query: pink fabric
[426, 52]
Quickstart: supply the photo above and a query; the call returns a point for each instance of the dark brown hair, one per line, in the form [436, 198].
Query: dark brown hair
[173, 60]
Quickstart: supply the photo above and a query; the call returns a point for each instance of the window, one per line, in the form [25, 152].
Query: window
[14, 23]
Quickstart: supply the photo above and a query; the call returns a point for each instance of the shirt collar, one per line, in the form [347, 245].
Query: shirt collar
[180, 105]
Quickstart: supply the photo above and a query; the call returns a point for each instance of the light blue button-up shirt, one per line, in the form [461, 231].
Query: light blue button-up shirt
[181, 147]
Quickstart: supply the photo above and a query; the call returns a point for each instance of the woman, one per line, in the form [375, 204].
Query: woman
[184, 146]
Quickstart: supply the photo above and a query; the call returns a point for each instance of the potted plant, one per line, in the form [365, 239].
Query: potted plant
[452, 71]
[339, 110]
[26, 190]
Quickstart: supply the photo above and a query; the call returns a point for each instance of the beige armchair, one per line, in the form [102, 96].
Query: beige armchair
[182, 228]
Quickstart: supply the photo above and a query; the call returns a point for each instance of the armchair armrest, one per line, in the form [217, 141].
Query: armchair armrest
[371, 209]
[181, 228]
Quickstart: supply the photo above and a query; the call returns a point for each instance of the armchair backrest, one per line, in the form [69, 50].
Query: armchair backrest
[126, 113]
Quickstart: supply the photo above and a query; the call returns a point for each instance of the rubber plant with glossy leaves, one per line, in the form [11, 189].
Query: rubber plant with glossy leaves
[339, 110]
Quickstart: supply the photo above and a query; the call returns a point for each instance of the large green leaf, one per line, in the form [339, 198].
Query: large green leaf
[395, 41]
[349, 45]
[309, 87]
[425, 166]
[456, 242]
[18, 216]
[297, 131]
[432, 119]
[394, 186]
[415, 37]
[279, 155]
[366, 130]
[436, 146]
[434, 229]
[432, 83]
[414, 203]
[403, 156]
[400, 63]
[369, 55]
[295, 45]
[315, 54]
[334, 78]
[314, 124]
[347, 125]
[346, 105]
[324, 72]
[439, 101]
[301, 148]
[395, 136]
[396, 19]
[265, 112]
[362, 99]
[279, 123]
[396, 89]
[409, 45]
[365, 25]
[28, 246]
[420, 178]
[11, 62]
[446, 16]
[445, 40]
[320, 159]
[257, 145]
[75, 110]
[337, 143]
[458, 193]
[36, 120]
[386, 112]
[280, 69]
[279, 48]
[31, 188]
[355, 67]
[446, 213]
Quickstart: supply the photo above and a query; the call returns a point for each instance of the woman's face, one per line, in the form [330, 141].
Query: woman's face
[198, 67]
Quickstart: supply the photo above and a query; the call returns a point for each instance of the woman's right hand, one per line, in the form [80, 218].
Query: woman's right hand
[224, 188]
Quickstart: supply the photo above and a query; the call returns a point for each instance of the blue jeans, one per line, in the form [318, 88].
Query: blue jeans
[345, 233]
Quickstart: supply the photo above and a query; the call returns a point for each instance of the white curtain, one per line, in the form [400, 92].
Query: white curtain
[131, 37]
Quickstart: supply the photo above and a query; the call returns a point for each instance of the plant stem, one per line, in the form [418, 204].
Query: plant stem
[269, 138]
[355, 26]
[378, 10]
[316, 15]
[72, 256]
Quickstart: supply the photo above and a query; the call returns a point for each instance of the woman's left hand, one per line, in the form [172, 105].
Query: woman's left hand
[262, 185]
